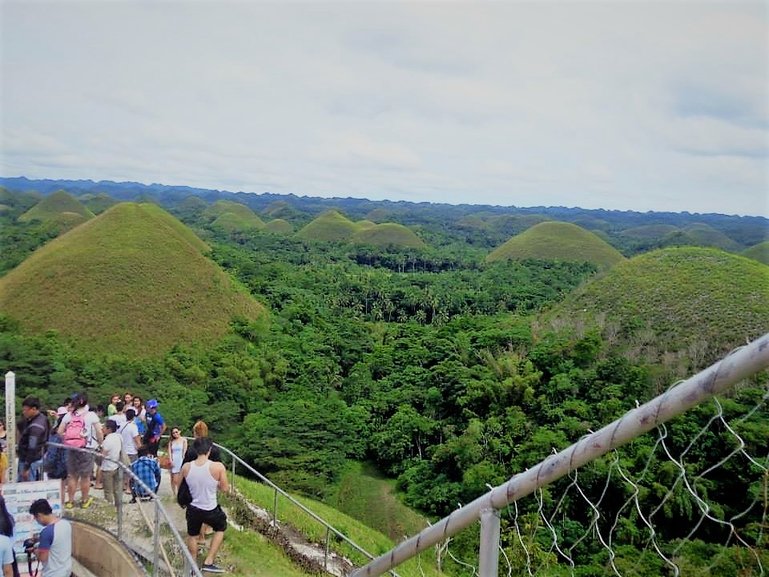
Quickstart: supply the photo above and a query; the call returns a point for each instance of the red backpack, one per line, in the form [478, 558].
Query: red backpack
[75, 433]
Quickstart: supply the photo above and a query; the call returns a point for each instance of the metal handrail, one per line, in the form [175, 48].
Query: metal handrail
[742, 363]
[191, 565]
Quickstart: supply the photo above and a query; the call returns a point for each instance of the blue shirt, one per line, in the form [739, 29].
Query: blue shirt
[148, 471]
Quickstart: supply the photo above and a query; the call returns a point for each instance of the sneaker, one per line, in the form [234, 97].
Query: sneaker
[69, 505]
[87, 503]
[212, 568]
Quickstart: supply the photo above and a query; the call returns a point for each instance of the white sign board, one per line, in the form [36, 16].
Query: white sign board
[19, 497]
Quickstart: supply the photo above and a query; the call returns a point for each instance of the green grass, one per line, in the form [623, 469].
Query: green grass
[698, 300]
[52, 206]
[250, 554]
[234, 222]
[132, 281]
[387, 234]
[649, 231]
[558, 241]
[98, 203]
[278, 226]
[369, 539]
[700, 235]
[759, 252]
[361, 485]
[329, 226]
[221, 207]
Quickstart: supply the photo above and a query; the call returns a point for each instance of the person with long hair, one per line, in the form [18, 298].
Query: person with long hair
[8, 560]
[177, 448]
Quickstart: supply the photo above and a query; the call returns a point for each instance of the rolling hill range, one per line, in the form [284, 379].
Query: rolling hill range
[701, 301]
[388, 234]
[759, 252]
[60, 208]
[561, 241]
[133, 280]
[329, 226]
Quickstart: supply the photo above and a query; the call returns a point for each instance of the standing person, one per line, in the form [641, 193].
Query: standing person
[55, 460]
[55, 546]
[200, 429]
[148, 470]
[80, 429]
[204, 478]
[110, 450]
[141, 414]
[156, 426]
[119, 415]
[177, 448]
[131, 442]
[3, 452]
[34, 433]
[112, 407]
[6, 530]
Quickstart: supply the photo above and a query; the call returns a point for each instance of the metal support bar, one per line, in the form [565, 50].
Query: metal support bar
[325, 552]
[742, 363]
[156, 539]
[488, 556]
[275, 508]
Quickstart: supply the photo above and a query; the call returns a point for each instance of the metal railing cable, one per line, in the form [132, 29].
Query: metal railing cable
[180, 554]
[740, 364]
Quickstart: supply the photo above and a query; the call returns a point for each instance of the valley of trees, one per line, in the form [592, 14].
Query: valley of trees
[434, 366]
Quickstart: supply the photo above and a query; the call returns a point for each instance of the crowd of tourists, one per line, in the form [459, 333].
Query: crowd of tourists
[129, 431]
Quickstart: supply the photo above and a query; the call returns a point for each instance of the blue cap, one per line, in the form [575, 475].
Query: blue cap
[152, 404]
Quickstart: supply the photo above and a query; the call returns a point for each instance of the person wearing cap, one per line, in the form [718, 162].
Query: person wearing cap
[156, 426]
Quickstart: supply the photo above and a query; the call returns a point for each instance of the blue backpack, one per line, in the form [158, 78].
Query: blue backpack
[55, 460]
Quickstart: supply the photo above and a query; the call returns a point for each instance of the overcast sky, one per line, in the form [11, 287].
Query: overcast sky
[618, 105]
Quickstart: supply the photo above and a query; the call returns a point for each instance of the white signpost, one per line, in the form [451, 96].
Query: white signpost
[10, 424]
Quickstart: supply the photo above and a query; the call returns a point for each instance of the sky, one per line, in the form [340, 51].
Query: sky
[626, 105]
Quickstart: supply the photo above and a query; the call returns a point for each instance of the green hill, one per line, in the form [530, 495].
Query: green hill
[759, 252]
[52, 206]
[649, 231]
[560, 241]
[232, 216]
[133, 280]
[329, 226]
[278, 226]
[363, 224]
[388, 234]
[700, 235]
[98, 203]
[698, 301]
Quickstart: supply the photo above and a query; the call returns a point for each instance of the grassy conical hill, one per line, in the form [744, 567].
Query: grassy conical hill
[699, 301]
[278, 226]
[700, 235]
[232, 222]
[132, 281]
[388, 234]
[759, 252]
[364, 224]
[329, 226]
[558, 241]
[50, 207]
[98, 203]
[649, 231]
[240, 217]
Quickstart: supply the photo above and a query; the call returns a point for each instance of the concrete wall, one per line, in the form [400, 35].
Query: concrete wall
[101, 554]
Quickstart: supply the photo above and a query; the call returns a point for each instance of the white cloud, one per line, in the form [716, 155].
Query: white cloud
[632, 105]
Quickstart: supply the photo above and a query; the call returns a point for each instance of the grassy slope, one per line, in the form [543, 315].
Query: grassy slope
[388, 234]
[133, 280]
[54, 205]
[371, 540]
[232, 222]
[649, 231]
[278, 226]
[685, 295]
[329, 226]
[700, 235]
[558, 241]
[359, 487]
[759, 252]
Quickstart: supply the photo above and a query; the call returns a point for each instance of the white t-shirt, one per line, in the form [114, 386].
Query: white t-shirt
[129, 432]
[119, 418]
[91, 420]
[110, 448]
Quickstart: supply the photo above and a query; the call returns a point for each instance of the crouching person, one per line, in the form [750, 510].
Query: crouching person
[148, 470]
[204, 477]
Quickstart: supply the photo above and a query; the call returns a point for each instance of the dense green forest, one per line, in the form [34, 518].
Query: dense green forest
[435, 367]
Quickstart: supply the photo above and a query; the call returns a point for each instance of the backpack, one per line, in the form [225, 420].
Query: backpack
[75, 434]
[55, 460]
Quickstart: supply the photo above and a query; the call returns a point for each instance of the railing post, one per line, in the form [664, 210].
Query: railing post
[119, 503]
[156, 550]
[325, 552]
[275, 508]
[488, 556]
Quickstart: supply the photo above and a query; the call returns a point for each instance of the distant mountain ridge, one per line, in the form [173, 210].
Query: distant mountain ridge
[744, 230]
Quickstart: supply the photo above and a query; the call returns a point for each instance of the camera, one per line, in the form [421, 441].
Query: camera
[29, 545]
